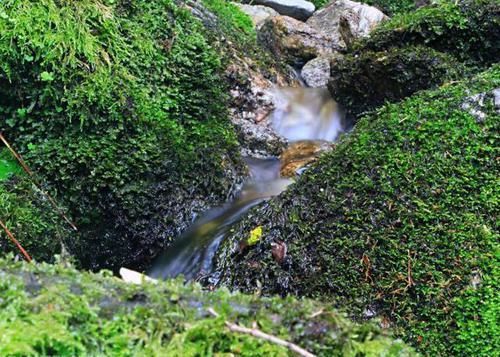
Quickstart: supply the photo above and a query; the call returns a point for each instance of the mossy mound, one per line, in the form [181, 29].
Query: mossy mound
[120, 107]
[393, 7]
[399, 221]
[364, 82]
[27, 213]
[466, 29]
[56, 310]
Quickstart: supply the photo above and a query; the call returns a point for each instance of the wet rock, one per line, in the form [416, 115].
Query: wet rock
[364, 82]
[298, 9]
[294, 41]
[477, 105]
[346, 20]
[251, 103]
[300, 154]
[316, 72]
[258, 13]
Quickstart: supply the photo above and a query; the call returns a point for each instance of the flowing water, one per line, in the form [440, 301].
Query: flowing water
[307, 115]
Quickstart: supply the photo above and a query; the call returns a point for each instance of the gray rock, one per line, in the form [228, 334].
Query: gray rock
[476, 104]
[316, 72]
[258, 13]
[298, 9]
[294, 41]
[346, 20]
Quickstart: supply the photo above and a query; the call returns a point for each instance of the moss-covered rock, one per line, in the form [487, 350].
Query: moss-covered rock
[466, 29]
[364, 82]
[399, 221]
[56, 310]
[120, 107]
[27, 213]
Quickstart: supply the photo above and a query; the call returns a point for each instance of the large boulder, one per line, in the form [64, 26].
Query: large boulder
[294, 41]
[258, 13]
[298, 9]
[364, 82]
[398, 222]
[468, 29]
[346, 20]
[57, 310]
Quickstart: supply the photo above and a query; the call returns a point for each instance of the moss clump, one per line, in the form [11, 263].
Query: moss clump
[398, 222]
[392, 7]
[466, 29]
[56, 310]
[120, 106]
[364, 82]
[27, 214]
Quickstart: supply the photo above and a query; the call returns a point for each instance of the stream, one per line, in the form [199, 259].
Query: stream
[308, 118]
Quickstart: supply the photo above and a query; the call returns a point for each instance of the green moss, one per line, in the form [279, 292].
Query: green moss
[364, 82]
[121, 108]
[392, 7]
[466, 29]
[31, 219]
[396, 221]
[56, 310]
[8, 165]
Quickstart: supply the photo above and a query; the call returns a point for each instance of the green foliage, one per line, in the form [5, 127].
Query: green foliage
[392, 7]
[56, 310]
[466, 29]
[119, 106]
[478, 311]
[8, 165]
[395, 222]
[32, 220]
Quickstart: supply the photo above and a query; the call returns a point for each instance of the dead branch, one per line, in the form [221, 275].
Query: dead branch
[264, 336]
[16, 242]
[411, 282]
[37, 184]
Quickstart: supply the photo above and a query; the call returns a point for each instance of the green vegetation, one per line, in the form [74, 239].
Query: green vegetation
[95, 314]
[8, 165]
[33, 221]
[364, 82]
[466, 29]
[392, 7]
[400, 221]
[121, 108]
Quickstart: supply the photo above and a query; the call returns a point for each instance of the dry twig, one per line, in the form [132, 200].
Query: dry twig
[264, 336]
[30, 173]
[15, 241]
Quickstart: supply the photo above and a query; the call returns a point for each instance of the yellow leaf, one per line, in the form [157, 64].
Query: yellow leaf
[255, 236]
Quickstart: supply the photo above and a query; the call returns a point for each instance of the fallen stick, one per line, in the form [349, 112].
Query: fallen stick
[16, 242]
[264, 336]
[30, 173]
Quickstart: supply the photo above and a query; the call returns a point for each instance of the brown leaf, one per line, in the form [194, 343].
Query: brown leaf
[278, 250]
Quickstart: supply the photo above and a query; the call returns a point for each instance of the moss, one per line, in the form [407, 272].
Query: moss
[466, 29]
[364, 82]
[33, 221]
[120, 106]
[56, 310]
[391, 7]
[396, 222]
[8, 165]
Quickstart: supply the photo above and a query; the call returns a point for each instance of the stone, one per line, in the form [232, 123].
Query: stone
[258, 13]
[346, 20]
[316, 72]
[294, 41]
[300, 154]
[298, 9]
